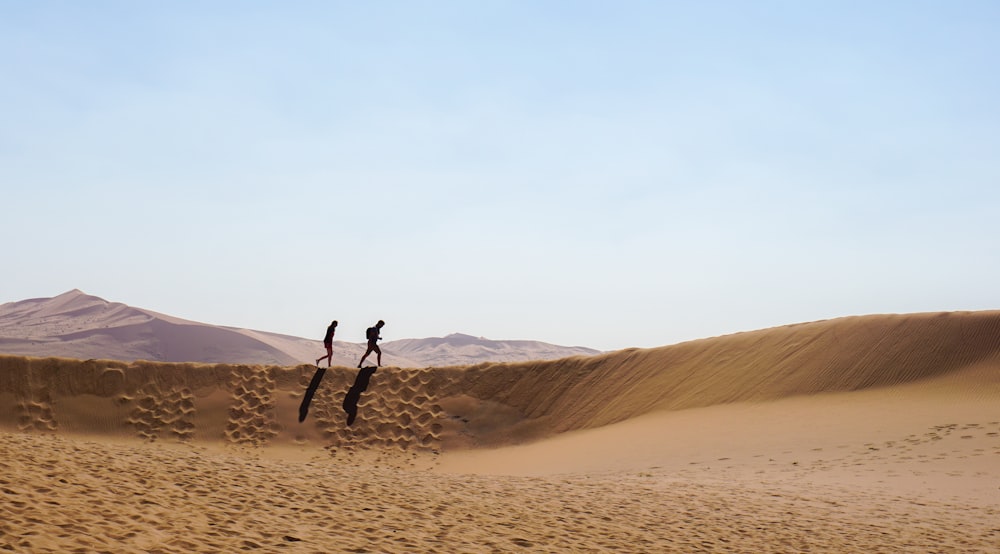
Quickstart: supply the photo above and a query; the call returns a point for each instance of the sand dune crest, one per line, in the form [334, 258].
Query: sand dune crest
[492, 404]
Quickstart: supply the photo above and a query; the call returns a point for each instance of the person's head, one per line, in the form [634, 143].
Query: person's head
[334, 323]
[380, 324]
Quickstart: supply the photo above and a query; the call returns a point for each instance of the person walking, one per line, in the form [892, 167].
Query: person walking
[372, 334]
[328, 343]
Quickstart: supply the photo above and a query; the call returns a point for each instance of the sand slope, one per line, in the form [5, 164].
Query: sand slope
[862, 434]
[494, 404]
[839, 355]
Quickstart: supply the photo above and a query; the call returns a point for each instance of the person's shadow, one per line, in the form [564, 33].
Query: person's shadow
[354, 393]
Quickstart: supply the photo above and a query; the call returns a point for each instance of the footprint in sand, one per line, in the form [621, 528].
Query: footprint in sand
[394, 411]
[156, 413]
[251, 415]
[36, 415]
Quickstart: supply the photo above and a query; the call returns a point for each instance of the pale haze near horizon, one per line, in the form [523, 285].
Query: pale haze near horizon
[583, 173]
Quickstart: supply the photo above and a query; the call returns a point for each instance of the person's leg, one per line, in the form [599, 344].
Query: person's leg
[379, 352]
[367, 352]
[328, 357]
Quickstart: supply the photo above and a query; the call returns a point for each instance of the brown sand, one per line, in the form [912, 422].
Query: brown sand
[867, 434]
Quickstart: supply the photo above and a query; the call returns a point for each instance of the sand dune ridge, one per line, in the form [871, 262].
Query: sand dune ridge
[489, 404]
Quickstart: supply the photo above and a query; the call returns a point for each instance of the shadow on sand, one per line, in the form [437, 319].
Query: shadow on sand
[354, 393]
[313, 385]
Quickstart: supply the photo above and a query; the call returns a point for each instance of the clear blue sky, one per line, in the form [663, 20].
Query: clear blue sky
[606, 174]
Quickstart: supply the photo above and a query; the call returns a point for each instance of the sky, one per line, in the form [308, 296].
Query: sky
[603, 174]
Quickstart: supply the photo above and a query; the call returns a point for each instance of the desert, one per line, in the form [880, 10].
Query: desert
[875, 433]
[509, 276]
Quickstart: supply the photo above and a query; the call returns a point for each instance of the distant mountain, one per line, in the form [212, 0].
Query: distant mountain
[459, 349]
[77, 325]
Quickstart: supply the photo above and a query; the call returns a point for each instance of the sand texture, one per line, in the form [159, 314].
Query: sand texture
[862, 434]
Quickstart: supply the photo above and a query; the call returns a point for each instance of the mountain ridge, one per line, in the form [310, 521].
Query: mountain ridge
[78, 325]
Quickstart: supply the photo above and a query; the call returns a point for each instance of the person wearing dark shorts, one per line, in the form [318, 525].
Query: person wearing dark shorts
[372, 334]
[328, 343]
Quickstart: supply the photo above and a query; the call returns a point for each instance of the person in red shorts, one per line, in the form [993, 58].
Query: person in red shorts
[328, 343]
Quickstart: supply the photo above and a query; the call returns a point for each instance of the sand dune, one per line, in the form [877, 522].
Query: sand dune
[82, 326]
[78, 325]
[458, 349]
[862, 434]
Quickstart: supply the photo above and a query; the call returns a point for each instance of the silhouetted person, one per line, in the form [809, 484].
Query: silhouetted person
[354, 393]
[328, 343]
[372, 334]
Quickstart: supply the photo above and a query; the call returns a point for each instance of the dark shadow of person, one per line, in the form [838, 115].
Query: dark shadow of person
[354, 393]
[313, 385]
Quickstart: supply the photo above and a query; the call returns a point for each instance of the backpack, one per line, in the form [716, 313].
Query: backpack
[371, 333]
